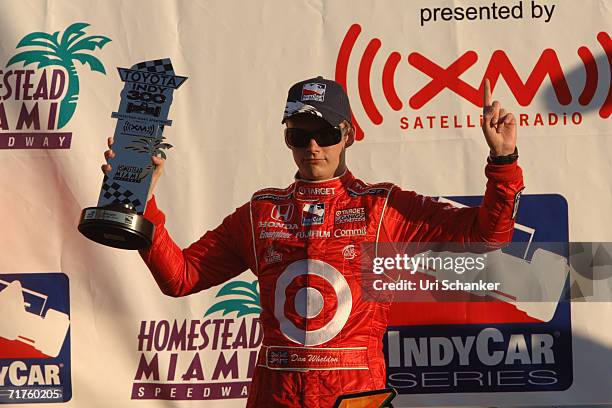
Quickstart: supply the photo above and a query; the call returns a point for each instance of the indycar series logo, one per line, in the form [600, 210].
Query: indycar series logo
[313, 214]
[43, 100]
[313, 92]
[34, 338]
[512, 342]
[438, 78]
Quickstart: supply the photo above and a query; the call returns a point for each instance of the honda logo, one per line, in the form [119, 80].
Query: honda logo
[282, 212]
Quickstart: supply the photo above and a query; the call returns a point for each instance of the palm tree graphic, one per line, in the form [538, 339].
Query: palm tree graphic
[151, 146]
[62, 51]
[247, 303]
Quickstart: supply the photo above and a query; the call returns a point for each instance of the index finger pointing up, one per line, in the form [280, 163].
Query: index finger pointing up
[486, 94]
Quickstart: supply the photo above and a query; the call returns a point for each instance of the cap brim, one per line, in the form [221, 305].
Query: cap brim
[297, 107]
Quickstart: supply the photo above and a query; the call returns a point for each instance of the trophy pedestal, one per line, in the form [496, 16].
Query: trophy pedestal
[117, 225]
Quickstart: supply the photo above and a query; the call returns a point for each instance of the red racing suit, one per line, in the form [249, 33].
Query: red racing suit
[321, 339]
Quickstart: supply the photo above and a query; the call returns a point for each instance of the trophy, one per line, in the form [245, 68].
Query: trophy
[146, 97]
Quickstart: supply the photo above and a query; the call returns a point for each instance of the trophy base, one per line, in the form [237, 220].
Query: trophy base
[117, 226]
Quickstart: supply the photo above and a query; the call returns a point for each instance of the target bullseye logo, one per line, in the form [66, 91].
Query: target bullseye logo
[309, 302]
[313, 306]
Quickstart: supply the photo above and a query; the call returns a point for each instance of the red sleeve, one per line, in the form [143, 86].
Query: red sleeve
[216, 257]
[412, 217]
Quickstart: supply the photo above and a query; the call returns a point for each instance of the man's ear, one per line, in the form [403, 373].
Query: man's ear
[286, 142]
[350, 137]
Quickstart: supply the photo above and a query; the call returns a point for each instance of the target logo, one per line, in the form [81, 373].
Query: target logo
[296, 303]
[440, 78]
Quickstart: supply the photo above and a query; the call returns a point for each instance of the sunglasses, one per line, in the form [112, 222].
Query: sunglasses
[327, 136]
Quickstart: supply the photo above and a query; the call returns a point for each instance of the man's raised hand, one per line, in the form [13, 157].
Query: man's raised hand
[158, 162]
[498, 125]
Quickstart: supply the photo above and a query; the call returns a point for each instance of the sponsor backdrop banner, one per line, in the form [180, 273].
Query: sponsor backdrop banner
[85, 325]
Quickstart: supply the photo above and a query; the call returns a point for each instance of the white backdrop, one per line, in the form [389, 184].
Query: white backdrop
[241, 57]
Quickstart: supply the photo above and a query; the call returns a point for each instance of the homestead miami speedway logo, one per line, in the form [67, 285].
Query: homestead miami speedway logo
[212, 358]
[434, 78]
[39, 87]
[498, 344]
[34, 338]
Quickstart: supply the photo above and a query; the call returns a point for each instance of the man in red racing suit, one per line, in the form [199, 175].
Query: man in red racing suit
[321, 339]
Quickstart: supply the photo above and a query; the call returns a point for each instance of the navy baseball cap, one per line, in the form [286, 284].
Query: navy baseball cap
[321, 97]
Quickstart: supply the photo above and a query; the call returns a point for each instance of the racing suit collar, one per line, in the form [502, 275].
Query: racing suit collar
[321, 190]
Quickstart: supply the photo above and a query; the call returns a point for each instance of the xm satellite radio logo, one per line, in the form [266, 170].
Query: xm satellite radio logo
[34, 338]
[510, 343]
[212, 358]
[439, 78]
[36, 103]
